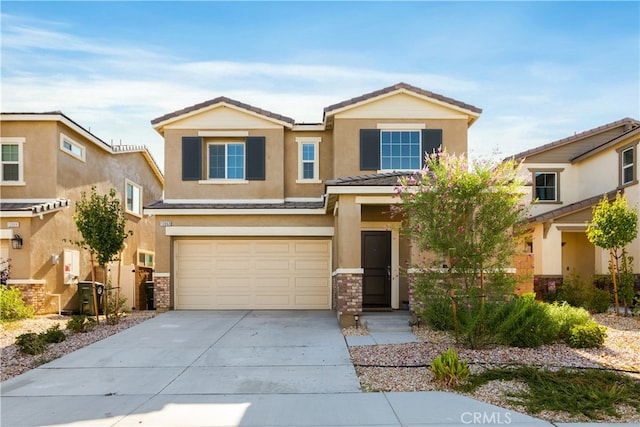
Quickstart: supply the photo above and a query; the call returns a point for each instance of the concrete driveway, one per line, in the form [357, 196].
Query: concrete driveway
[225, 368]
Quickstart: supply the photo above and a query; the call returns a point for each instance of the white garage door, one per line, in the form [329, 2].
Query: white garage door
[252, 274]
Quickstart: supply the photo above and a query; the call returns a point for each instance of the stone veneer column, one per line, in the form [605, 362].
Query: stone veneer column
[348, 301]
[33, 292]
[162, 291]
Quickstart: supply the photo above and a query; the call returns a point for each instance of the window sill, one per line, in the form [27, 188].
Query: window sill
[223, 181]
[138, 215]
[13, 183]
[308, 181]
[628, 184]
[547, 202]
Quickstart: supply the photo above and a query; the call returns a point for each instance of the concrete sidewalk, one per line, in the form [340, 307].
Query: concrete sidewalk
[234, 368]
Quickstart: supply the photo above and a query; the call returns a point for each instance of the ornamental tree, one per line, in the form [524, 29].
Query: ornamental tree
[613, 226]
[468, 214]
[101, 221]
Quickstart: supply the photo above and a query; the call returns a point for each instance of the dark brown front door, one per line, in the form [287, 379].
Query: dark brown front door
[376, 262]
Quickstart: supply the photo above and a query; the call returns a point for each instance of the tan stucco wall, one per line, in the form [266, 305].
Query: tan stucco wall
[40, 148]
[578, 255]
[291, 162]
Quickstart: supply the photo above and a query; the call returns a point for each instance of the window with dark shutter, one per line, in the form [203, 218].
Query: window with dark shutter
[369, 149]
[255, 158]
[191, 158]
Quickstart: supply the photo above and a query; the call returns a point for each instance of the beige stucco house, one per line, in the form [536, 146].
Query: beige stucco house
[262, 212]
[568, 178]
[48, 160]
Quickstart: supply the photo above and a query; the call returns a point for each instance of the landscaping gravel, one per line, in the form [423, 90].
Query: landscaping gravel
[388, 367]
[15, 363]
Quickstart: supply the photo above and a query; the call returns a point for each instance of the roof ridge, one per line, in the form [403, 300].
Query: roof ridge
[219, 100]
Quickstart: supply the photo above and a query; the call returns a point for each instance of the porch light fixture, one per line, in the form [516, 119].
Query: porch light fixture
[16, 242]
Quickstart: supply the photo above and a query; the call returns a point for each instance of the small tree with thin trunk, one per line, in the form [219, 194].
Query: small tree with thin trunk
[101, 221]
[468, 215]
[613, 226]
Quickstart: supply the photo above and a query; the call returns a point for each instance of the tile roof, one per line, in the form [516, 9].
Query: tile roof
[160, 204]
[573, 207]
[400, 86]
[33, 207]
[220, 100]
[626, 121]
[633, 132]
[378, 179]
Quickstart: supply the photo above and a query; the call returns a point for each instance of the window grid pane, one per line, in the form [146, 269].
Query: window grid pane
[400, 150]
[235, 161]
[10, 153]
[627, 166]
[10, 172]
[216, 161]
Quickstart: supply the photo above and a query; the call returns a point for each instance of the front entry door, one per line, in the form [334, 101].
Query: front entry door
[376, 262]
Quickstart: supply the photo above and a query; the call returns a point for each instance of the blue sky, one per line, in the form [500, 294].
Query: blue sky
[540, 71]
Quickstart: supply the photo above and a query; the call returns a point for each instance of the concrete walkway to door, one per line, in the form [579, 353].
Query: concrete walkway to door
[233, 368]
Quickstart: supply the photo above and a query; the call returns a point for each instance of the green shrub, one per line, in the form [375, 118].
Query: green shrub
[579, 293]
[80, 323]
[588, 335]
[53, 335]
[449, 369]
[524, 322]
[566, 317]
[31, 343]
[12, 307]
[437, 313]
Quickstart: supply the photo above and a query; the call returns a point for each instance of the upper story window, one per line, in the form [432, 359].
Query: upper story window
[72, 148]
[400, 150]
[546, 185]
[12, 159]
[627, 165]
[226, 161]
[308, 160]
[398, 147]
[133, 202]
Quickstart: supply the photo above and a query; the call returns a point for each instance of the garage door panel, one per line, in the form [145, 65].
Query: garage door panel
[252, 274]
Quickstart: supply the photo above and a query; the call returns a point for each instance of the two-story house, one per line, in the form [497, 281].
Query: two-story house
[48, 161]
[261, 212]
[568, 178]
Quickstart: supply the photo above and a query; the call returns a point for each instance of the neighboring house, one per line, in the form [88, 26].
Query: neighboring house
[261, 212]
[568, 178]
[48, 160]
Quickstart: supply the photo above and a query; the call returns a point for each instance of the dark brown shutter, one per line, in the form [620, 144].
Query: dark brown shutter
[369, 149]
[191, 158]
[431, 142]
[255, 160]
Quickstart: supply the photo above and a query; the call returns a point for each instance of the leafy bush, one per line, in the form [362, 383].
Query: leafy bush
[12, 307]
[566, 317]
[80, 323]
[579, 293]
[449, 369]
[588, 335]
[31, 343]
[524, 322]
[53, 335]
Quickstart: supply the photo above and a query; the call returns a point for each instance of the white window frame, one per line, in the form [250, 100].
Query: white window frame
[309, 140]
[19, 141]
[633, 165]
[74, 144]
[396, 128]
[226, 180]
[136, 210]
[147, 255]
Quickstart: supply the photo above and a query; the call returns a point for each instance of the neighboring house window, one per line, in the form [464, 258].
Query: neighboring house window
[146, 258]
[546, 185]
[72, 148]
[627, 165]
[308, 160]
[226, 161]
[400, 150]
[134, 198]
[12, 158]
